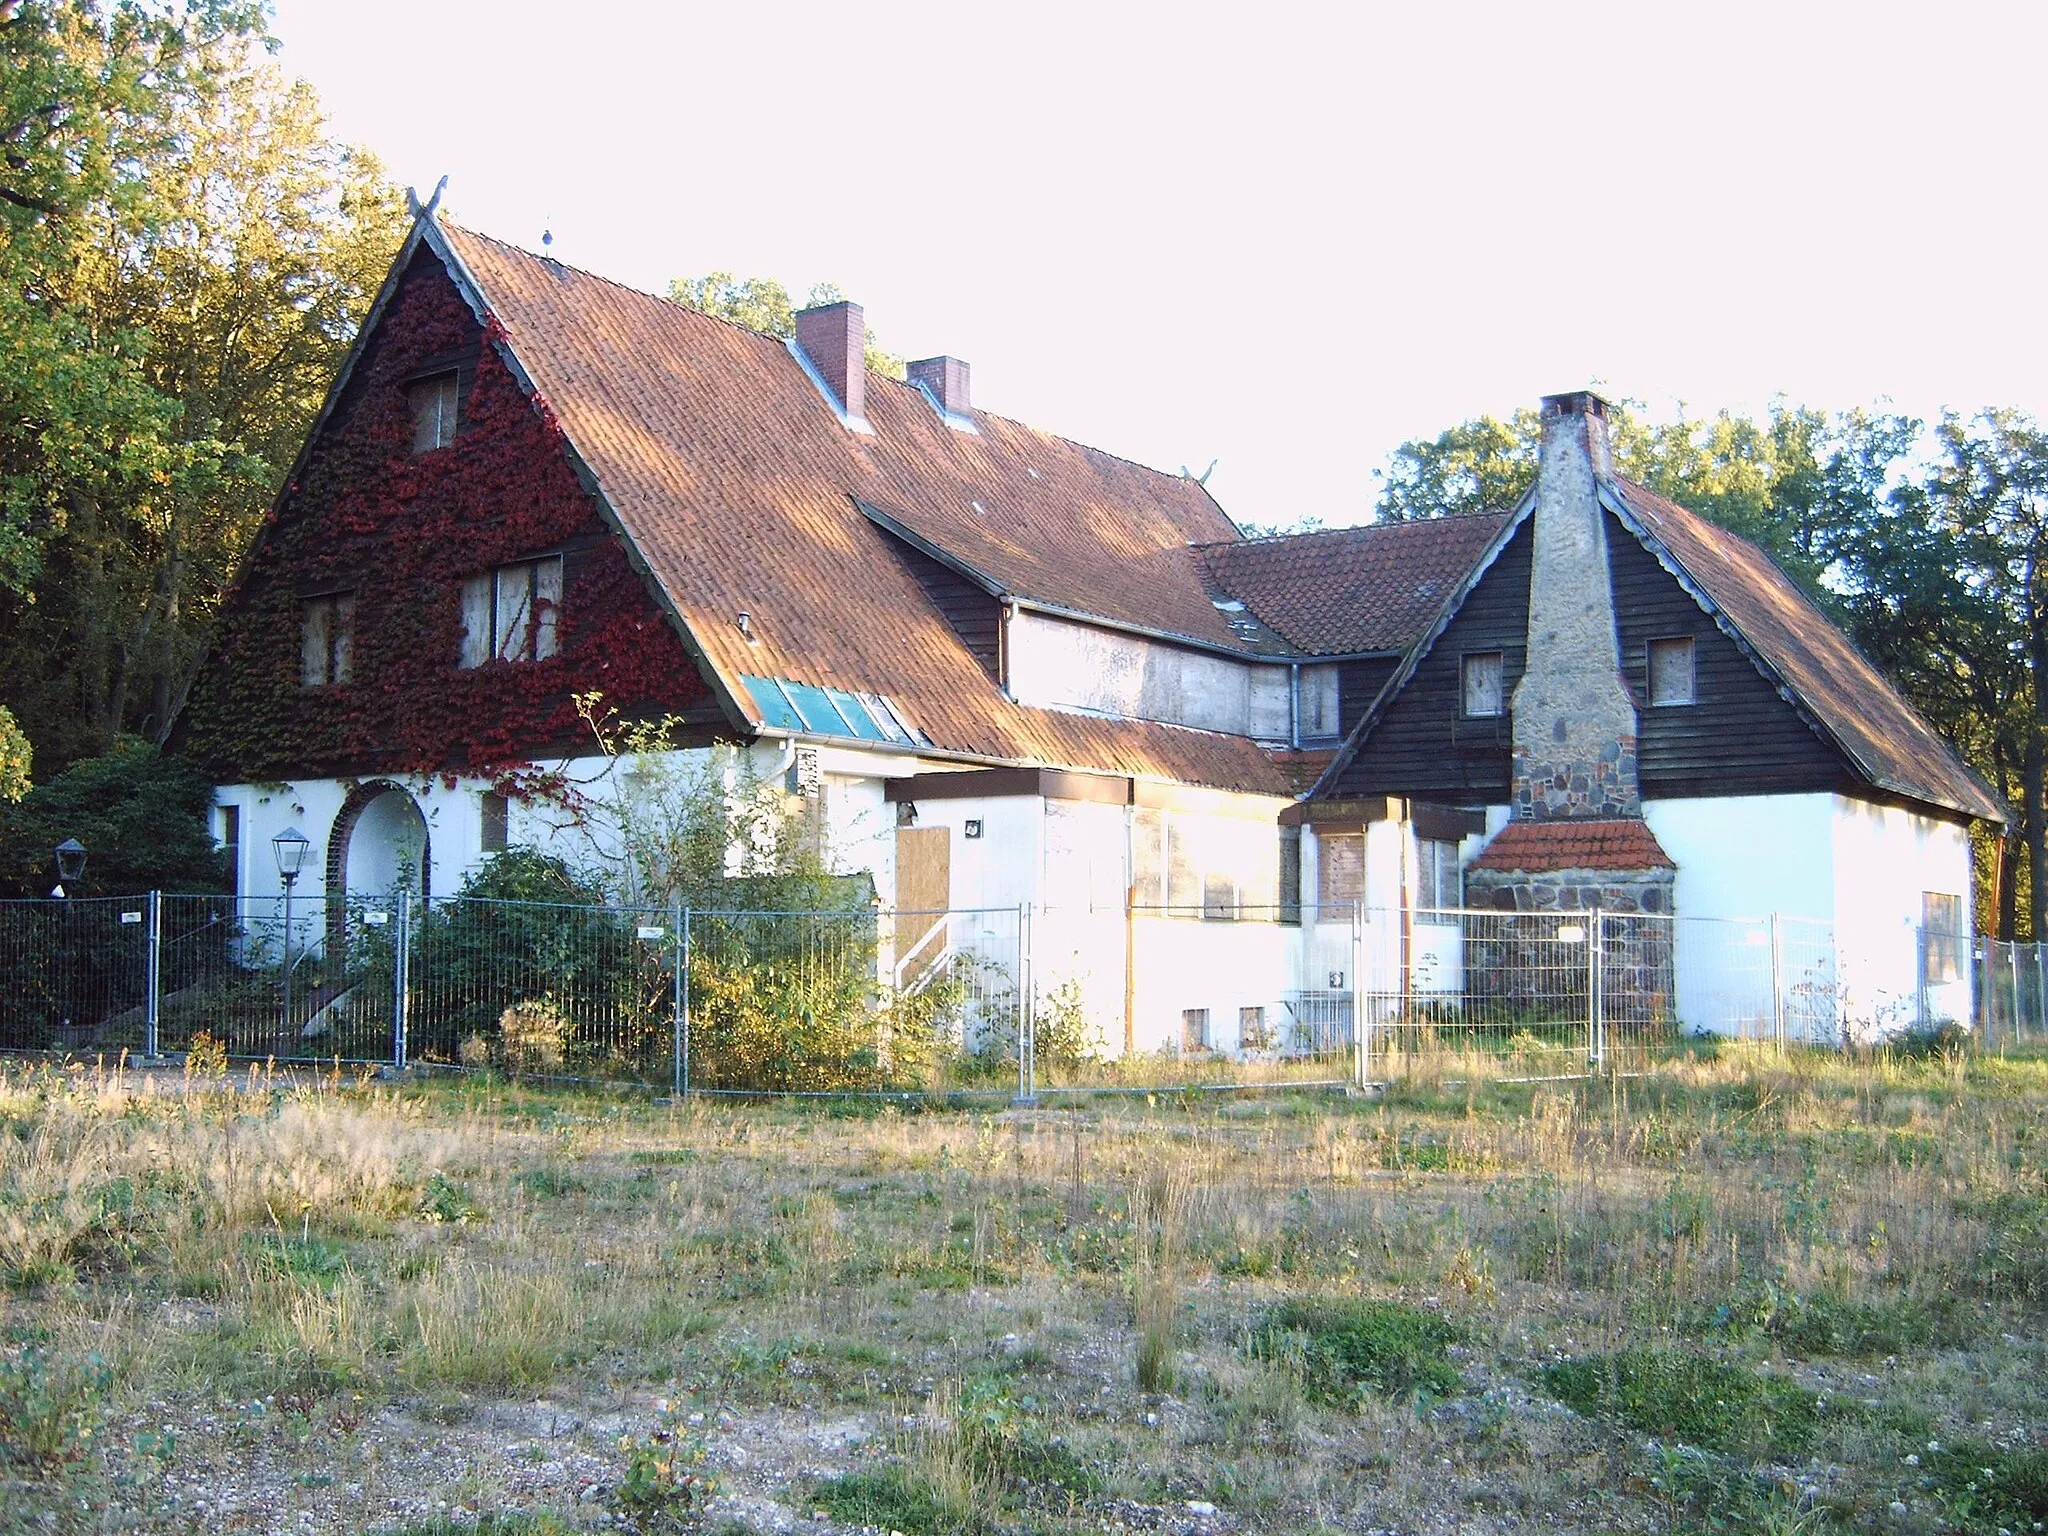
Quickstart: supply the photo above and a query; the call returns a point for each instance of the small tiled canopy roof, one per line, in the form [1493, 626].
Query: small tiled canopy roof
[1349, 590]
[1881, 735]
[1548, 847]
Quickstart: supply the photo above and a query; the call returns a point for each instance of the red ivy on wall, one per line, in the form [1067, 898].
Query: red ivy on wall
[402, 532]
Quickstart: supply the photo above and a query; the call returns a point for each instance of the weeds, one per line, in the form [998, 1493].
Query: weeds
[50, 1409]
[1340, 1349]
[1690, 1398]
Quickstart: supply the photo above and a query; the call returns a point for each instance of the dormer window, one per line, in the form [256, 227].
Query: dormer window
[510, 614]
[325, 625]
[1671, 671]
[433, 411]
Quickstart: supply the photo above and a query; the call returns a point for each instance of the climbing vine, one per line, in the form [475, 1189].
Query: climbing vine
[402, 531]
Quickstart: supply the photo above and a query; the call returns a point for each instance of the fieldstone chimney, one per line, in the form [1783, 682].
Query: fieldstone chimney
[945, 380]
[835, 339]
[1574, 718]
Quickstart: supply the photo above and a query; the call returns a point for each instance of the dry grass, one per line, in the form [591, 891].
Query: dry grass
[1760, 1283]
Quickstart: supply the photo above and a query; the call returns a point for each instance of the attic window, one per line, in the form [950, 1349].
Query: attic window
[1671, 671]
[511, 614]
[433, 412]
[325, 625]
[1482, 680]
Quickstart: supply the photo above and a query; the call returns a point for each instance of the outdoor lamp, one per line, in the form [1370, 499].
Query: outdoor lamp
[70, 860]
[290, 846]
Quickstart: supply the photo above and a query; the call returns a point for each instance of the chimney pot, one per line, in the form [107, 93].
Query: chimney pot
[946, 378]
[1578, 402]
[834, 337]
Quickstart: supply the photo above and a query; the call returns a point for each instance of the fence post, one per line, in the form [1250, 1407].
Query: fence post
[2012, 965]
[1361, 1015]
[1027, 1044]
[682, 960]
[401, 979]
[152, 969]
[2040, 990]
[1595, 1025]
[1778, 982]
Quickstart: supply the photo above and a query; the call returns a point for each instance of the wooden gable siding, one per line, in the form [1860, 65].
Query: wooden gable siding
[1358, 684]
[1421, 745]
[1741, 737]
[976, 617]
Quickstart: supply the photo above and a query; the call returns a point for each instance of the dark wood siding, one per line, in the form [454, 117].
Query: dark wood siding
[1740, 737]
[1421, 745]
[1358, 684]
[976, 617]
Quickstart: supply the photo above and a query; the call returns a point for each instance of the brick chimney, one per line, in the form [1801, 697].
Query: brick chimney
[945, 379]
[1574, 718]
[834, 337]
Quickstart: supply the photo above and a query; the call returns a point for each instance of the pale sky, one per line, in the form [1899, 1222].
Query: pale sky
[1287, 238]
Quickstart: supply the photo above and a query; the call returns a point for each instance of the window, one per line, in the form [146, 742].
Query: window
[433, 412]
[231, 845]
[1318, 703]
[324, 625]
[1290, 874]
[1671, 675]
[1941, 936]
[1251, 1029]
[497, 820]
[1340, 869]
[1219, 898]
[510, 614]
[1194, 1029]
[1439, 883]
[1482, 676]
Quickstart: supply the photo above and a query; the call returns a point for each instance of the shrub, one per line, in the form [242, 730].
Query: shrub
[1344, 1347]
[1713, 1404]
[49, 1409]
[143, 817]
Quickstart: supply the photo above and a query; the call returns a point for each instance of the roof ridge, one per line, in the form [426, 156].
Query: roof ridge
[1351, 528]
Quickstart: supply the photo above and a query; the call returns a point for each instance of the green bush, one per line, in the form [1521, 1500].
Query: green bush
[145, 820]
[1678, 1395]
[1342, 1348]
[49, 1409]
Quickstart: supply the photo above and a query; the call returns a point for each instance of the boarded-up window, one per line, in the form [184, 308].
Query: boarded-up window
[1290, 874]
[497, 819]
[1483, 676]
[1251, 1029]
[1671, 671]
[1148, 857]
[1439, 883]
[513, 613]
[433, 412]
[231, 845]
[1219, 898]
[1194, 1029]
[1183, 865]
[1318, 703]
[324, 638]
[1340, 869]
[1941, 936]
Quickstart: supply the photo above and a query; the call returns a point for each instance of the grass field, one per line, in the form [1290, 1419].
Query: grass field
[1745, 1293]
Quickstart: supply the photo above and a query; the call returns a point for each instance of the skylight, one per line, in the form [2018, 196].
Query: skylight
[787, 705]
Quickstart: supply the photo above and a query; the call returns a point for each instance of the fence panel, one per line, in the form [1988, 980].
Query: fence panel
[73, 974]
[309, 980]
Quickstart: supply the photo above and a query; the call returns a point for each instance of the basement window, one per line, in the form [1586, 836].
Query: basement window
[1482, 679]
[1671, 671]
[433, 403]
[496, 812]
[1194, 1030]
[510, 614]
[1251, 1029]
[325, 625]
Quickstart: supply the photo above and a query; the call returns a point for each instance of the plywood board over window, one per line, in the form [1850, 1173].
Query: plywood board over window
[1340, 872]
[513, 613]
[924, 892]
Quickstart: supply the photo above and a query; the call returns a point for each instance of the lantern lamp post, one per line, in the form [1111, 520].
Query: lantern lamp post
[70, 864]
[290, 848]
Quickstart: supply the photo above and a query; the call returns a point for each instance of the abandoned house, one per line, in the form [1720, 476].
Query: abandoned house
[1009, 669]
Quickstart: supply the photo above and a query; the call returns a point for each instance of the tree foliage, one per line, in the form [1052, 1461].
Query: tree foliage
[143, 818]
[184, 255]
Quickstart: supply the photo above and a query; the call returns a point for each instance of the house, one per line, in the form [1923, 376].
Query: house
[1010, 672]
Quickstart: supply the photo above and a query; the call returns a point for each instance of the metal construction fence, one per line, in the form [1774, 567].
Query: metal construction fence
[1009, 999]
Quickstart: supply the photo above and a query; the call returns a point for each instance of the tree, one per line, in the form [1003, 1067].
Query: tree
[185, 258]
[143, 817]
[762, 304]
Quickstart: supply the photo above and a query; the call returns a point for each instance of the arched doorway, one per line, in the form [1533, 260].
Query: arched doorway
[379, 845]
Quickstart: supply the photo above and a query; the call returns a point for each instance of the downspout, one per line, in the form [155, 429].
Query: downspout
[1130, 928]
[1401, 829]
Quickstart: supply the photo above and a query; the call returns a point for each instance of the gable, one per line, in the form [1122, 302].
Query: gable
[1420, 744]
[1741, 736]
[400, 532]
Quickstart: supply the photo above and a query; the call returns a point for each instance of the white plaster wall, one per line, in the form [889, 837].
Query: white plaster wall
[1063, 665]
[1886, 858]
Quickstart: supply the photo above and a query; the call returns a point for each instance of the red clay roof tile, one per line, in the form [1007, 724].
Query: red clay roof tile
[1547, 847]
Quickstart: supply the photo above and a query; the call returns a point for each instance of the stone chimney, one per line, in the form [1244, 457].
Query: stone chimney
[835, 337]
[1574, 718]
[945, 379]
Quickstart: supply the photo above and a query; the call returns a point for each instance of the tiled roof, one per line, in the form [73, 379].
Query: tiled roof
[1884, 738]
[1547, 847]
[1346, 590]
[736, 483]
